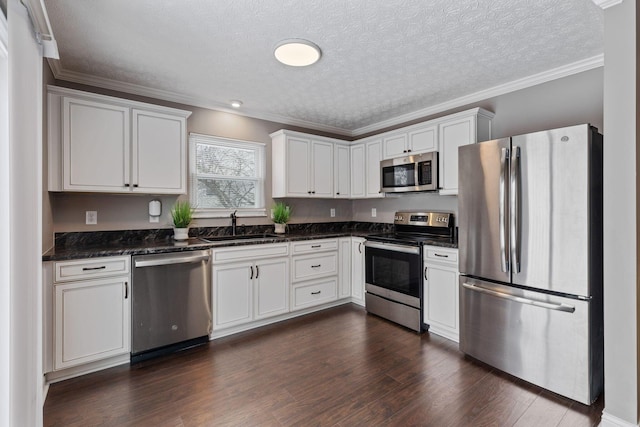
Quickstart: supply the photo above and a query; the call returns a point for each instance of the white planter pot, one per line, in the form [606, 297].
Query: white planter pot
[181, 233]
[279, 228]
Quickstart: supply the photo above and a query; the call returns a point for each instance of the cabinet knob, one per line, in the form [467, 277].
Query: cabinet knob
[135, 185]
[408, 151]
[338, 193]
[126, 185]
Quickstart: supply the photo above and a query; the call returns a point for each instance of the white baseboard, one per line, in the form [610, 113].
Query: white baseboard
[609, 420]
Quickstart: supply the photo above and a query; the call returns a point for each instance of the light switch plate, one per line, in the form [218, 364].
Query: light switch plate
[91, 217]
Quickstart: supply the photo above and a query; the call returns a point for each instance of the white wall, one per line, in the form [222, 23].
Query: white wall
[620, 217]
[25, 139]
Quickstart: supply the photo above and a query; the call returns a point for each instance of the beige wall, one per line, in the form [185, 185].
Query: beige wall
[118, 212]
[621, 294]
[570, 100]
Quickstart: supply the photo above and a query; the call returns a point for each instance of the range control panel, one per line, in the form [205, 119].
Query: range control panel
[427, 219]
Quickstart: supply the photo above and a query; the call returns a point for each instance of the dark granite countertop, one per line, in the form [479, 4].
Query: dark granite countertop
[143, 242]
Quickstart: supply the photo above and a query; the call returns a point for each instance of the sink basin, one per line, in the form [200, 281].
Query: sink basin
[238, 237]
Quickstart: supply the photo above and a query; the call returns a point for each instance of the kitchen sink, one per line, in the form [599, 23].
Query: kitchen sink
[213, 239]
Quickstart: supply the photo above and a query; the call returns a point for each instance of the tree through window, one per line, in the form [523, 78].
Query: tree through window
[226, 174]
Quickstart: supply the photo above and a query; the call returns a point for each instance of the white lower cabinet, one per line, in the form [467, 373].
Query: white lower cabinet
[249, 290]
[344, 267]
[440, 293]
[357, 270]
[314, 273]
[91, 314]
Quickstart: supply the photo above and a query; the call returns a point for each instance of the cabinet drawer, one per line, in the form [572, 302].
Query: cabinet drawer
[315, 293]
[91, 267]
[244, 253]
[311, 246]
[310, 267]
[433, 254]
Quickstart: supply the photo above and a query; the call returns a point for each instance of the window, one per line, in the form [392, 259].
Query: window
[226, 175]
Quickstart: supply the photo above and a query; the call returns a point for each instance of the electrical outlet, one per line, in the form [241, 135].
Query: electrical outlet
[333, 212]
[374, 212]
[91, 217]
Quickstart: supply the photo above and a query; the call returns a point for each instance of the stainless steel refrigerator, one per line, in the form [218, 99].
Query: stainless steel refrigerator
[530, 241]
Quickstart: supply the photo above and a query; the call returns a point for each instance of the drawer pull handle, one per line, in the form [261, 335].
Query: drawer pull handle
[442, 256]
[94, 268]
[257, 271]
[126, 290]
[251, 267]
[316, 246]
[316, 266]
[316, 293]
[425, 274]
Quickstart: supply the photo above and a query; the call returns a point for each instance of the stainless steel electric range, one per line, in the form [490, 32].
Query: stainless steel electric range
[394, 265]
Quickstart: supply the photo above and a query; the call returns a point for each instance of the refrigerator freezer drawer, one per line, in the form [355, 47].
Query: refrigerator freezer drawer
[543, 339]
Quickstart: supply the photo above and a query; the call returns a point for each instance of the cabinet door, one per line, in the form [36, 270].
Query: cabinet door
[357, 269]
[394, 146]
[95, 146]
[322, 167]
[159, 153]
[453, 134]
[298, 157]
[441, 300]
[342, 172]
[423, 140]
[358, 174]
[374, 154]
[271, 287]
[92, 321]
[232, 294]
[344, 267]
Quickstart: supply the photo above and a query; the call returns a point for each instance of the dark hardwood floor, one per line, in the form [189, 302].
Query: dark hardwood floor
[338, 367]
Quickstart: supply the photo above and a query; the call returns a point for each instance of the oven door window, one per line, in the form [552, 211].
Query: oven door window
[399, 176]
[397, 271]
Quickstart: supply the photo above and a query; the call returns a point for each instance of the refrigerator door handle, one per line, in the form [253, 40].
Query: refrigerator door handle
[514, 209]
[551, 306]
[504, 169]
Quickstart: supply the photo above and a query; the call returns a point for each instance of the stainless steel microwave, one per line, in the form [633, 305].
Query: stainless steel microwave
[417, 172]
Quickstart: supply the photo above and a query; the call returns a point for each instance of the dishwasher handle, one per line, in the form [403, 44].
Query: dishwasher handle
[153, 262]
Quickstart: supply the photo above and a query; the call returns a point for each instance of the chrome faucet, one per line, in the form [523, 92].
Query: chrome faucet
[234, 220]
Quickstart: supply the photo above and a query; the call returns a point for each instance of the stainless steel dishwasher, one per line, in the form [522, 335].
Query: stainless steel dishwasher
[171, 297]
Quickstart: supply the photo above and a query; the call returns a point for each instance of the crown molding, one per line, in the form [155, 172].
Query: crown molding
[546, 76]
[134, 89]
[606, 4]
[536, 79]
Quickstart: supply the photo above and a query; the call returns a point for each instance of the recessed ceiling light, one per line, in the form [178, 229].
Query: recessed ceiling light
[297, 52]
[235, 103]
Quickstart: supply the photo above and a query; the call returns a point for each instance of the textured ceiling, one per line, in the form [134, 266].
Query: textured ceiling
[381, 59]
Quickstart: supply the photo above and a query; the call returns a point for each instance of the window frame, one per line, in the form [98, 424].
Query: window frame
[258, 147]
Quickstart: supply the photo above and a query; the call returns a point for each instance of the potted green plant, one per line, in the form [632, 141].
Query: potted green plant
[181, 214]
[281, 215]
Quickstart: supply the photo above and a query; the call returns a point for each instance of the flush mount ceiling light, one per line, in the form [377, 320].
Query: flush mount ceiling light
[235, 103]
[297, 52]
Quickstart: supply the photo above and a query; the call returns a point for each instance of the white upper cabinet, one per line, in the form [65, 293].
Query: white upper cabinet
[416, 139]
[158, 139]
[104, 144]
[365, 169]
[301, 166]
[467, 127]
[372, 167]
[358, 173]
[342, 171]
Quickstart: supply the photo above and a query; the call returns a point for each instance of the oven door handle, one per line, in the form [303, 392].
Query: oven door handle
[393, 247]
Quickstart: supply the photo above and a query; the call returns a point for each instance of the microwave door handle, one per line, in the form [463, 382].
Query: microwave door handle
[514, 196]
[504, 159]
